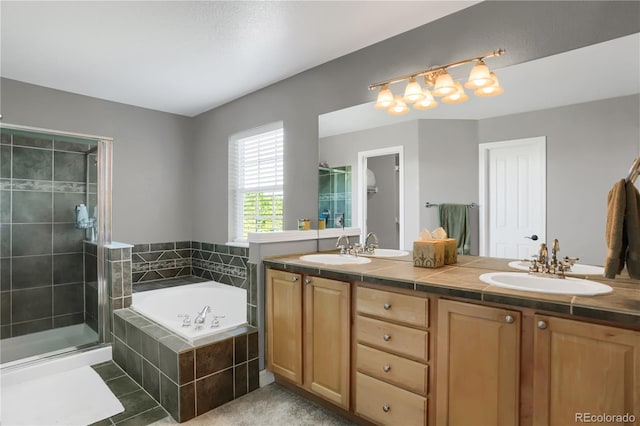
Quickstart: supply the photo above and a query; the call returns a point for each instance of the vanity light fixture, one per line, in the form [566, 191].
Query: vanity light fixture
[439, 83]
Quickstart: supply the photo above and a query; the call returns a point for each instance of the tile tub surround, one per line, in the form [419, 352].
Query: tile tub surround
[41, 252]
[187, 380]
[212, 262]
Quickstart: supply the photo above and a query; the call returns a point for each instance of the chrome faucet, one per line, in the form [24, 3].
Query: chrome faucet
[202, 315]
[370, 248]
[344, 249]
[543, 265]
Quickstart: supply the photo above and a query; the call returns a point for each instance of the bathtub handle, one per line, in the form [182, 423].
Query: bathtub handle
[186, 320]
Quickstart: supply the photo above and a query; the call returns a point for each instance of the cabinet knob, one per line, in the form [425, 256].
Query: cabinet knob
[386, 306]
[386, 408]
[386, 337]
[386, 368]
[542, 324]
[509, 319]
[294, 279]
[307, 281]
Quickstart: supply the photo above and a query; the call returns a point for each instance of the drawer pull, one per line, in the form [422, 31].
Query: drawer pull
[509, 319]
[542, 325]
[386, 337]
[307, 281]
[386, 368]
[386, 408]
[294, 279]
[386, 306]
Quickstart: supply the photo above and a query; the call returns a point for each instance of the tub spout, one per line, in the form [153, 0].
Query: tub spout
[202, 315]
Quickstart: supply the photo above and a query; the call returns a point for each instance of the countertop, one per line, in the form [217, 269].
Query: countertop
[621, 307]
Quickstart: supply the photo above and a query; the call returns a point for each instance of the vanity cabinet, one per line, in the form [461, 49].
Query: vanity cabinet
[478, 367]
[583, 368]
[392, 356]
[308, 333]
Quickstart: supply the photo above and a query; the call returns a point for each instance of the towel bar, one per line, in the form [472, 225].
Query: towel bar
[472, 205]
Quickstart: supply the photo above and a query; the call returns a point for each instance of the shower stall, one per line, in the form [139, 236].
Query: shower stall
[52, 282]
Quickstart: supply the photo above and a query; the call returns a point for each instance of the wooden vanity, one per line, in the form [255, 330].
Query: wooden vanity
[388, 343]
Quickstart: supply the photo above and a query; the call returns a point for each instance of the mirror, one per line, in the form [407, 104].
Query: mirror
[592, 133]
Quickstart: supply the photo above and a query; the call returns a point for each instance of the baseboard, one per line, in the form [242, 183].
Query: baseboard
[266, 377]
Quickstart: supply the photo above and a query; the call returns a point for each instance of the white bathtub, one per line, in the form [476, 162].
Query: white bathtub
[165, 305]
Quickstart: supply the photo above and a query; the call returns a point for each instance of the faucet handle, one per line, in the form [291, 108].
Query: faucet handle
[186, 319]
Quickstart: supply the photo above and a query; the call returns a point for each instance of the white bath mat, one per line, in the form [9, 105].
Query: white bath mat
[74, 397]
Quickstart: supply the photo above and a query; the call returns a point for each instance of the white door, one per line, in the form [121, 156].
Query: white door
[512, 197]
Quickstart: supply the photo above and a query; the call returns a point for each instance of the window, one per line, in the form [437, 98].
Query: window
[256, 170]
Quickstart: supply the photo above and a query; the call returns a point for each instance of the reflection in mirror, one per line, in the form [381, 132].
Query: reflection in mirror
[591, 134]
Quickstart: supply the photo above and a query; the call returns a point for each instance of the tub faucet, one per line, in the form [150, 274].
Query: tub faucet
[202, 315]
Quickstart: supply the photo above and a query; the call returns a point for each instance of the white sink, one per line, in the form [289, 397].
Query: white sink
[386, 253]
[576, 269]
[334, 259]
[536, 283]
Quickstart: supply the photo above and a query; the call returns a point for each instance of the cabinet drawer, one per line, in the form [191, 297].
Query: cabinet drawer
[392, 337]
[393, 306]
[388, 405]
[400, 371]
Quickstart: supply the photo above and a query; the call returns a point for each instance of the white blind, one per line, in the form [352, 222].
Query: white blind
[256, 194]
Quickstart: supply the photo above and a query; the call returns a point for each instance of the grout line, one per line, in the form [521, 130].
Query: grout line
[141, 413]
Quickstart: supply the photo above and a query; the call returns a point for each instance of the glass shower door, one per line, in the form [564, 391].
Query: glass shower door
[48, 263]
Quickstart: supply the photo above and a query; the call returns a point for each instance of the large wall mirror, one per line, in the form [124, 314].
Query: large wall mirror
[584, 105]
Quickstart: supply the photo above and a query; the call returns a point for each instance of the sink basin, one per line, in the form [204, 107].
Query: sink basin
[386, 253]
[334, 259]
[576, 269]
[535, 283]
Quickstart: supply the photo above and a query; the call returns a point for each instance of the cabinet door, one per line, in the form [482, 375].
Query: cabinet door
[327, 339]
[284, 324]
[477, 370]
[582, 368]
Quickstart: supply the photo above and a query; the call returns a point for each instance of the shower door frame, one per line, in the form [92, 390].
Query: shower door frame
[103, 194]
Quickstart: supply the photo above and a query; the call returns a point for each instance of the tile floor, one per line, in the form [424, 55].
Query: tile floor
[139, 408]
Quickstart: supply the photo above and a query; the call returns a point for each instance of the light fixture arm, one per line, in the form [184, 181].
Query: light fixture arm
[437, 69]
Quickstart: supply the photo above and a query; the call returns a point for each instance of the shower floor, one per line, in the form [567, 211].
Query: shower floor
[43, 342]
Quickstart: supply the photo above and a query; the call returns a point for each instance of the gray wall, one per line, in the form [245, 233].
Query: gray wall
[342, 150]
[152, 198]
[590, 146]
[528, 30]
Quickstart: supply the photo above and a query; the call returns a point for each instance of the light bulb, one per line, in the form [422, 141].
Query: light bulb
[398, 107]
[444, 85]
[428, 102]
[456, 97]
[385, 98]
[413, 92]
[494, 90]
[480, 76]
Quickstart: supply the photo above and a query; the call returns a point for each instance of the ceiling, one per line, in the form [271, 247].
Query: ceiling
[564, 79]
[186, 57]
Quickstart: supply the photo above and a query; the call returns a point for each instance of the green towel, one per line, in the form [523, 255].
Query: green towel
[454, 218]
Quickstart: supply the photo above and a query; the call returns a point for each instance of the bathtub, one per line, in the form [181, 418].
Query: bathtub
[168, 305]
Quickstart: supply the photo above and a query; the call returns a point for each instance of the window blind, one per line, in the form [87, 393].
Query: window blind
[256, 195]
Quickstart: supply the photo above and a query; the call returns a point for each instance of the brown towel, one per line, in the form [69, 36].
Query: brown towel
[614, 232]
[632, 230]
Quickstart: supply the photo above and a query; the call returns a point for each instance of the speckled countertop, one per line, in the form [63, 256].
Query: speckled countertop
[622, 306]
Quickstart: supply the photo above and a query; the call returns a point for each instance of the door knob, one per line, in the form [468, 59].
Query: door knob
[542, 324]
[294, 279]
[307, 281]
[533, 237]
[509, 319]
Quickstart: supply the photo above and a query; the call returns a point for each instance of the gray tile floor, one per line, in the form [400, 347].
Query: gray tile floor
[140, 408]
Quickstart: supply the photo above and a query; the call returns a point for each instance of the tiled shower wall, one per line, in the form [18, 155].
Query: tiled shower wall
[41, 252]
[218, 262]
